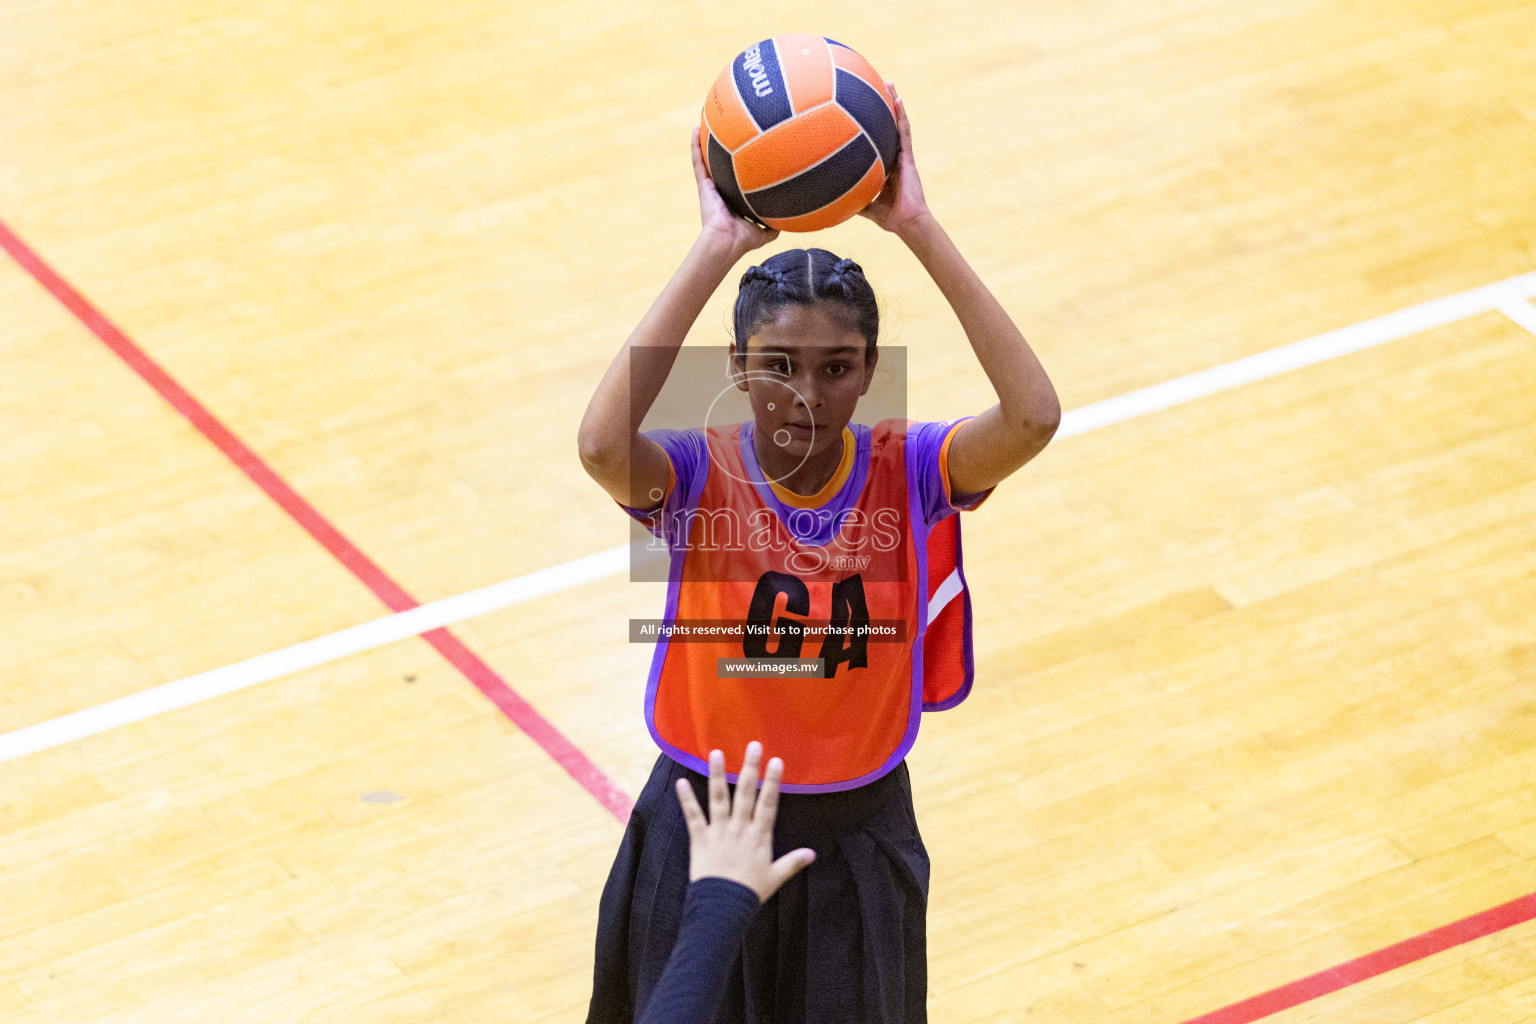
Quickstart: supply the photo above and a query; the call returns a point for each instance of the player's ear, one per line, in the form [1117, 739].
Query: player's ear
[736, 367]
[871, 360]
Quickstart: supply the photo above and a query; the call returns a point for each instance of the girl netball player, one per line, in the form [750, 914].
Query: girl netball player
[835, 547]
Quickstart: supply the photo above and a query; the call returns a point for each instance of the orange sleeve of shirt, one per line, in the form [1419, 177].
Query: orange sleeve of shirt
[967, 502]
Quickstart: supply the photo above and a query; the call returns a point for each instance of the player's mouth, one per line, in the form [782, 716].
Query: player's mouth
[805, 430]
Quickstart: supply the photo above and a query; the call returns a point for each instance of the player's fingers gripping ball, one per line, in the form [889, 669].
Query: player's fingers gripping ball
[798, 133]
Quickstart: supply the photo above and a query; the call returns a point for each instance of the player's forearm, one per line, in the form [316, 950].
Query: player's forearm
[630, 386]
[1024, 392]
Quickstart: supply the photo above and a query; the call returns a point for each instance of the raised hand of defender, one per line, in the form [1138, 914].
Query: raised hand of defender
[736, 841]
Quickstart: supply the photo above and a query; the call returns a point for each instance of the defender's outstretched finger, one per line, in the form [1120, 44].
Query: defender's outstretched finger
[746, 785]
[693, 814]
[719, 795]
[788, 866]
[768, 797]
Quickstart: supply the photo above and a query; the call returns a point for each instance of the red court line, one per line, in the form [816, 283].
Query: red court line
[522, 714]
[1458, 933]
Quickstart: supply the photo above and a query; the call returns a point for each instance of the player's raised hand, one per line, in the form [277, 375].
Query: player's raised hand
[717, 218]
[736, 841]
[900, 203]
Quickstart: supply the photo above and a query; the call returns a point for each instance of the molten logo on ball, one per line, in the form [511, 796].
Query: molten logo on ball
[752, 64]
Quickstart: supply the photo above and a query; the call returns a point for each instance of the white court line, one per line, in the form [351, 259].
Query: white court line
[310, 653]
[1521, 312]
[1307, 352]
[1506, 296]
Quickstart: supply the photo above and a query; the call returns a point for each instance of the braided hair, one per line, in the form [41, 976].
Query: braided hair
[805, 277]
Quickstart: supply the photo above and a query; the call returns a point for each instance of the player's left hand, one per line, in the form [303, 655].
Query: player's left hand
[900, 204]
[736, 841]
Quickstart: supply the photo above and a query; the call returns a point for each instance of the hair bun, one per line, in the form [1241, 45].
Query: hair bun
[844, 265]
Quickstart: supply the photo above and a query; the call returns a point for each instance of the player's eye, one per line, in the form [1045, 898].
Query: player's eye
[837, 369]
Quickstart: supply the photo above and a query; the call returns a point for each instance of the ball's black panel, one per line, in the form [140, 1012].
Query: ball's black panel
[834, 42]
[855, 96]
[723, 173]
[760, 81]
[816, 186]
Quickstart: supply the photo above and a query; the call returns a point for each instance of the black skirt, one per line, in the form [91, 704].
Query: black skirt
[845, 940]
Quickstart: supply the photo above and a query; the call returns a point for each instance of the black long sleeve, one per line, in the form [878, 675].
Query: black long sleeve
[716, 914]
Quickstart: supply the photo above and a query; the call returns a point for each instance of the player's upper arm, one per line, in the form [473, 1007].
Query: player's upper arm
[640, 481]
[986, 450]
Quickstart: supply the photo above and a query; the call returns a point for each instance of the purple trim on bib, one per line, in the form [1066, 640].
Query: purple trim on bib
[970, 667]
[679, 553]
[825, 520]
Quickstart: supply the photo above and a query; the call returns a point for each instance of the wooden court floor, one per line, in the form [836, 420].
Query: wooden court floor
[1256, 673]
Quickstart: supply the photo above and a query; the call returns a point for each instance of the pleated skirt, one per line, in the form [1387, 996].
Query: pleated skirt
[843, 941]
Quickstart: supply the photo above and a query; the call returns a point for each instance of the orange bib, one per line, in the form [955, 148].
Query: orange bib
[823, 639]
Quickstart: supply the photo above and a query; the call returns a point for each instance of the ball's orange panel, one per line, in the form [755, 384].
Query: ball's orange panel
[807, 69]
[852, 201]
[850, 61]
[789, 148]
[725, 116]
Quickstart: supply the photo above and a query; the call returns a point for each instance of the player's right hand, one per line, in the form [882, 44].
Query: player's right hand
[742, 235]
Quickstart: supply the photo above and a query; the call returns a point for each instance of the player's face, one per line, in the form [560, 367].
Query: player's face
[805, 371]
